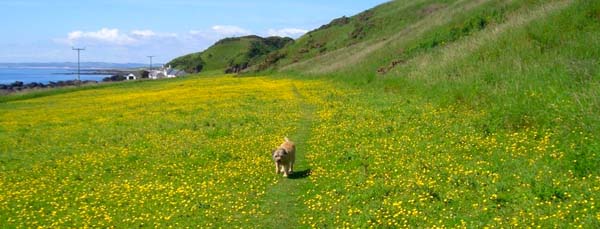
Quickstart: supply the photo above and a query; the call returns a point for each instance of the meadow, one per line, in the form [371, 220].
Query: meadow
[196, 152]
[461, 114]
[143, 154]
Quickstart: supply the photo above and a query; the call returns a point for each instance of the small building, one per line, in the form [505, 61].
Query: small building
[131, 76]
[163, 73]
[172, 73]
[156, 74]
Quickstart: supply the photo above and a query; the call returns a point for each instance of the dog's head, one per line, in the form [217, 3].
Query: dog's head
[279, 155]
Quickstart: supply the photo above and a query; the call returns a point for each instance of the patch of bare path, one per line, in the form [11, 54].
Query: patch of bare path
[282, 203]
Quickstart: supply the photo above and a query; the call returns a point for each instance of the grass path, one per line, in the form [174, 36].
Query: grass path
[282, 203]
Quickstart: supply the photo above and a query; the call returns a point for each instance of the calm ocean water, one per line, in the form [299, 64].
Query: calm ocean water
[41, 75]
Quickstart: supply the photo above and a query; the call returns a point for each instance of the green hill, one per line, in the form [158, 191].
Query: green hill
[385, 39]
[230, 55]
[373, 25]
[526, 63]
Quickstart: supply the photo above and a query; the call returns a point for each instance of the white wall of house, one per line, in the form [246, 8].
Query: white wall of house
[131, 76]
[162, 73]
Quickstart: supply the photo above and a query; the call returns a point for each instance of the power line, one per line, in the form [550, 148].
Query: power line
[151, 61]
[78, 64]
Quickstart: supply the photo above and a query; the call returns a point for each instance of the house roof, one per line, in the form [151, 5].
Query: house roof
[137, 74]
[176, 72]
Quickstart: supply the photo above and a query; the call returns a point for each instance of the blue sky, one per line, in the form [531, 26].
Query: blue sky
[129, 30]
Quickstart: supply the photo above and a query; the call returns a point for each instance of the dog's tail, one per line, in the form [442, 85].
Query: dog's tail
[287, 139]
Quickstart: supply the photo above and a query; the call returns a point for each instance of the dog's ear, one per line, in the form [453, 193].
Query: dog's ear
[284, 151]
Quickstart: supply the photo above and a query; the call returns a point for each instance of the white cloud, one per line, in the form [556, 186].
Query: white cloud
[108, 36]
[135, 45]
[104, 35]
[230, 30]
[143, 33]
[287, 32]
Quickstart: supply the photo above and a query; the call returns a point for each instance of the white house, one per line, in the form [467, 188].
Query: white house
[156, 74]
[165, 73]
[131, 76]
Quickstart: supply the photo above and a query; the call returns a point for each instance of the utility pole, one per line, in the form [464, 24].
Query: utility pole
[151, 61]
[79, 64]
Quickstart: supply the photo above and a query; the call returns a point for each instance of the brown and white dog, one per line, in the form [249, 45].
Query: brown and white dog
[284, 158]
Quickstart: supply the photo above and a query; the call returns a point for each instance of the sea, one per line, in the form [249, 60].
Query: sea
[43, 75]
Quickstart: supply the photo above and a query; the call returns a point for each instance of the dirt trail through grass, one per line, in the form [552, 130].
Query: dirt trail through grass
[282, 204]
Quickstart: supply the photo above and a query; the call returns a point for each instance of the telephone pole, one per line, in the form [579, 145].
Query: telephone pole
[151, 61]
[79, 64]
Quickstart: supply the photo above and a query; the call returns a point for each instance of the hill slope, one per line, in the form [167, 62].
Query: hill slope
[384, 38]
[372, 25]
[517, 60]
[230, 54]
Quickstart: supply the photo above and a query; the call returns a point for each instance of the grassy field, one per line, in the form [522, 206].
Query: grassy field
[196, 152]
[466, 113]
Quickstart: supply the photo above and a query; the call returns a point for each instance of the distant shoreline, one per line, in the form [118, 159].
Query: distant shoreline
[108, 76]
[108, 72]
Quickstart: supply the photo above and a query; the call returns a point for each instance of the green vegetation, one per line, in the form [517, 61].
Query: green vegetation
[143, 154]
[368, 27]
[230, 55]
[412, 114]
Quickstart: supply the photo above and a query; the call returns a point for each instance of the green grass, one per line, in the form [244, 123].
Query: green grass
[155, 153]
[489, 120]
[368, 27]
[283, 202]
[195, 151]
[230, 52]
[47, 92]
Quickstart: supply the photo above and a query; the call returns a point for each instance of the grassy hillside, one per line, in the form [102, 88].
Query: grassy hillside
[526, 64]
[521, 66]
[465, 113]
[230, 54]
[373, 25]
